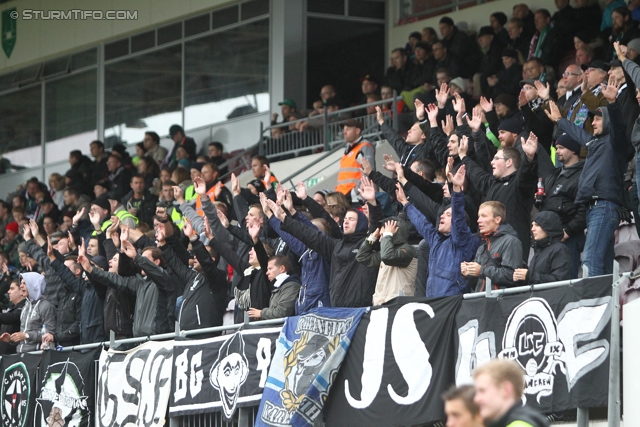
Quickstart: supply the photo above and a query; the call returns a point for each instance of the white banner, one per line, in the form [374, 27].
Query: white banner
[134, 385]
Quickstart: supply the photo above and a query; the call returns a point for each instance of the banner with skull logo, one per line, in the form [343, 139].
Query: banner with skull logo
[221, 374]
[560, 337]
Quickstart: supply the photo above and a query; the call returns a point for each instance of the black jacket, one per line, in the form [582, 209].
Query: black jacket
[491, 61]
[120, 182]
[551, 260]
[607, 157]
[68, 319]
[466, 49]
[256, 281]
[146, 207]
[283, 299]
[408, 153]
[498, 256]
[118, 310]
[205, 294]
[509, 81]
[351, 284]
[151, 294]
[561, 188]
[514, 191]
[518, 412]
[10, 322]
[92, 311]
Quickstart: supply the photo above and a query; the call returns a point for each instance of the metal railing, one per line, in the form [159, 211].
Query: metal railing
[245, 416]
[319, 133]
[613, 406]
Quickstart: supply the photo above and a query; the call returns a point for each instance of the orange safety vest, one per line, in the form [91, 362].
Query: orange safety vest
[350, 170]
[212, 197]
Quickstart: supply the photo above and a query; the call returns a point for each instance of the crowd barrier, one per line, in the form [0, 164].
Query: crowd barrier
[385, 365]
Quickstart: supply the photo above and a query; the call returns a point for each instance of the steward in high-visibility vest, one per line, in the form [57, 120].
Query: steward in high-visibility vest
[350, 168]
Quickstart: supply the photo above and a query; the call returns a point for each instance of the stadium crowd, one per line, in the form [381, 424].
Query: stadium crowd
[515, 162]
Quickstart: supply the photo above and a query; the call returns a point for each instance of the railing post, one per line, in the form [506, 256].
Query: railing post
[487, 288]
[394, 112]
[325, 129]
[613, 407]
[112, 339]
[261, 140]
[582, 418]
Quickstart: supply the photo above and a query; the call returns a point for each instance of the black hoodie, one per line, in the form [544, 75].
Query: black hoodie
[351, 284]
[551, 260]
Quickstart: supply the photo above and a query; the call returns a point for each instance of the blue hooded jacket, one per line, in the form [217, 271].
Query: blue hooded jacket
[314, 291]
[447, 251]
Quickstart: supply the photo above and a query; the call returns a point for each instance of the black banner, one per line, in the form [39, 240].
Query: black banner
[66, 390]
[401, 360]
[222, 373]
[18, 389]
[560, 337]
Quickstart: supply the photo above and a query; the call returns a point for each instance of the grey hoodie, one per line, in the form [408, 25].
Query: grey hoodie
[36, 312]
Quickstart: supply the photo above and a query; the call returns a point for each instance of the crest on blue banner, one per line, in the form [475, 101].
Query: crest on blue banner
[308, 355]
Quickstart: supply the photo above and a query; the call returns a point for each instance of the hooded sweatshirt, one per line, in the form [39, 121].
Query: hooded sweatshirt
[607, 156]
[447, 251]
[351, 284]
[36, 312]
[551, 260]
[397, 262]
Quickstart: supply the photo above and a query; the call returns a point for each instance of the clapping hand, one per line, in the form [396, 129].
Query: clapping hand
[442, 95]
[390, 226]
[530, 146]
[199, 186]
[458, 179]
[366, 166]
[367, 190]
[301, 190]
[419, 107]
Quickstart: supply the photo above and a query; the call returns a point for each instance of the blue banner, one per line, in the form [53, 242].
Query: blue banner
[309, 353]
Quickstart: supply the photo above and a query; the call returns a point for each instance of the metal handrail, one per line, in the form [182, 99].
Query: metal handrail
[260, 146]
[169, 335]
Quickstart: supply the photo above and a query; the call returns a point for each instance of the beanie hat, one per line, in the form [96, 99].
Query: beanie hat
[511, 124]
[13, 226]
[103, 202]
[569, 143]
